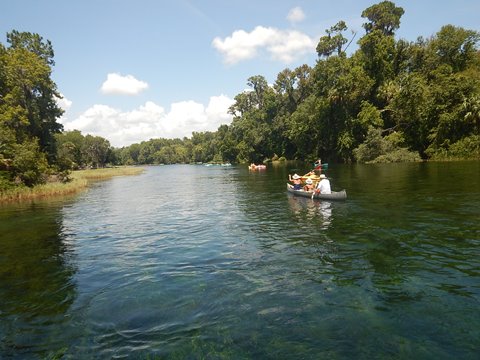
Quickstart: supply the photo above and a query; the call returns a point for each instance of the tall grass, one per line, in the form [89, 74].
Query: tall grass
[79, 181]
[107, 173]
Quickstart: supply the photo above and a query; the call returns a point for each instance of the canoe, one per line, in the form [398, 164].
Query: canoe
[335, 195]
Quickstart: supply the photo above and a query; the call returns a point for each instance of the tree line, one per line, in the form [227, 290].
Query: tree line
[390, 100]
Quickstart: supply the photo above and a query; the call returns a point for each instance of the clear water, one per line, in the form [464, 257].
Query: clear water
[219, 262]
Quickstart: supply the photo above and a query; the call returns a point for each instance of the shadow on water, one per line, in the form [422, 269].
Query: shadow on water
[36, 287]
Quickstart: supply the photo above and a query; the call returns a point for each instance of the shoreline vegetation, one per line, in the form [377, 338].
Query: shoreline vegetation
[391, 100]
[79, 181]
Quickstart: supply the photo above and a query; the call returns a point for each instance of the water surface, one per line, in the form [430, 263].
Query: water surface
[218, 262]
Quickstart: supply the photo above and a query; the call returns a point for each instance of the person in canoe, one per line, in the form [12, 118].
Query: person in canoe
[309, 185]
[296, 180]
[323, 187]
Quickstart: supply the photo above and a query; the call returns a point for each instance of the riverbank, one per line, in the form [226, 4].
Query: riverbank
[79, 181]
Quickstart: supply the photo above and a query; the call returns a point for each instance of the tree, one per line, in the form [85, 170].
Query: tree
[471, 107]
[377, 149]
[389, 101]
[29, 92]
[260, 86]
[33, 43]
[377, 54]
[28, 109]
[454, 46]
[333, 41]
[29, 164]
[69, 149]
[96, 150]
[384, 16]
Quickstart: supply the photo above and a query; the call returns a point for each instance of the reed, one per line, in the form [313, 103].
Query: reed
[79, 181]
[101, 174]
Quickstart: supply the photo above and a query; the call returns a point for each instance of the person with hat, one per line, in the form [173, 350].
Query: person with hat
[323, 187]
[296, 180]
[309, 185]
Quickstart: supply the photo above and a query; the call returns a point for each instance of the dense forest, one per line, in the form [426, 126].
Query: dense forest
[390, 100]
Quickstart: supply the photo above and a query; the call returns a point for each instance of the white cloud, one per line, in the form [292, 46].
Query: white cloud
[123, 85]
[296, 15]
[290, 46]
[283, 45]
[151, 121]
[65, 105]
[63, 102]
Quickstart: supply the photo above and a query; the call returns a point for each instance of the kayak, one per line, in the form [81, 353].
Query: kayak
[335, 195]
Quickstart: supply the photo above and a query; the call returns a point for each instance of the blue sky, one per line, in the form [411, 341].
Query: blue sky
[134, 70]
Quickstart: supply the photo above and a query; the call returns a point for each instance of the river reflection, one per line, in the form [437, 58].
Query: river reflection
[36, 271]
[304, 208]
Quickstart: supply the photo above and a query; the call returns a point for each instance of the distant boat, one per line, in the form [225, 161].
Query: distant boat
[218, 164]
[335, 195]
[257, 167]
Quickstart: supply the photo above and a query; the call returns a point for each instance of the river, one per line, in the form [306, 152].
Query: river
[190, 261]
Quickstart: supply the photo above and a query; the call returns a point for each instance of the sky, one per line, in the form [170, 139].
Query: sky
[134, 70]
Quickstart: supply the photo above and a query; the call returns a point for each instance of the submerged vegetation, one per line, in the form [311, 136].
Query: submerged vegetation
[390, 100]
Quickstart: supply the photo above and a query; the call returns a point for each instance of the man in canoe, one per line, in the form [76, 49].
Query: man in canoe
[323, 187]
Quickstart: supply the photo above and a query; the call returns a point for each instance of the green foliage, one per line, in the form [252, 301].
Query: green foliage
[30, 92]
[75, 151]
[368, 116]
[33, 43]
[425, 95]
[373, 147]
[378, 149]
[28, 110]
[466, 148]
[333, 41]
[29, 164]
[384, 17]
[398, 155]
[69, 150]
[377, 55]
[455, 47]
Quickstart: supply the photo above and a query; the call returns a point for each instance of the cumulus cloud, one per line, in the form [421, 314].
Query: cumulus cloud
[296, 15]
[282, 45]
[152, 121]
[123, 85]
[63, 102]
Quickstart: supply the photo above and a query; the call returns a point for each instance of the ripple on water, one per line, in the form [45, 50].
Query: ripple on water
[225, 263]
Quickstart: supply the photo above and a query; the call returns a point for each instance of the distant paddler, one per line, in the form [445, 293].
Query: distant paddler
[318, 166]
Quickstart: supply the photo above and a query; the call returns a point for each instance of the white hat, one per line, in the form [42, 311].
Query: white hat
[309, 181]
[296, 177]
[322, 176]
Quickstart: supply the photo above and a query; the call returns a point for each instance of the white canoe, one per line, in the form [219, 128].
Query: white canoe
[335, 195]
